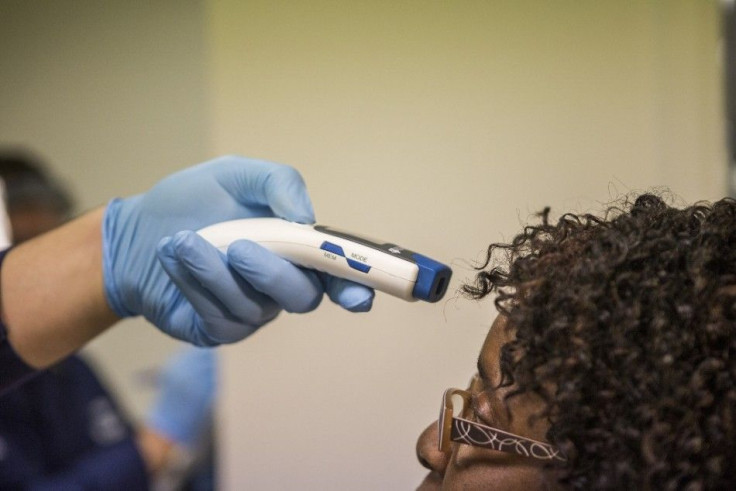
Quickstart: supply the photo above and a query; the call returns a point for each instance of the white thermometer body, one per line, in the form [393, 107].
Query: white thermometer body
[382, 266]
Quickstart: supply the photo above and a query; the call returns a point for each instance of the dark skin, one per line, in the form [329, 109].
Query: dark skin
[468, 467]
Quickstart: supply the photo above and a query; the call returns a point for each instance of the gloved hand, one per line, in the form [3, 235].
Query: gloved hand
[208, 298]
[188, 383]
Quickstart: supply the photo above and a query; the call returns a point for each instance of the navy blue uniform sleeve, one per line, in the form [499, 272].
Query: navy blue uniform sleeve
[119, 467]
[63, 430]
[13, 370]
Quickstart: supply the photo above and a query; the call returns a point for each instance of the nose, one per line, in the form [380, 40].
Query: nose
[428, 453]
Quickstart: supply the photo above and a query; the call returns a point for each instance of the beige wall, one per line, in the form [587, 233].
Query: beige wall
[440, 126]
[112, 95]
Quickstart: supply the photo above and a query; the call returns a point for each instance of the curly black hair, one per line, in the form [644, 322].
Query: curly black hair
[625, 325]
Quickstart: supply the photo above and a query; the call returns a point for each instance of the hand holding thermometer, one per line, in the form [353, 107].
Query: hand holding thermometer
[383, 266]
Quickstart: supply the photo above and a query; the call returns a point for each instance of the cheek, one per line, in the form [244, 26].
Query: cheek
[479, 469]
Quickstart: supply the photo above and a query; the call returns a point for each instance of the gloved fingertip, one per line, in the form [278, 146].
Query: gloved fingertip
[298, 211]
[289, 197]
[305, 304]
[303, 219]
[164, 247]
[356, 298]
[164, 241]
[192, 249]
[303, 211]
[241, 252]
[364, 306]
[183, 239]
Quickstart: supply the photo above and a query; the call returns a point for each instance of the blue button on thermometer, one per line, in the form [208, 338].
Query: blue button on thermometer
[380, 265]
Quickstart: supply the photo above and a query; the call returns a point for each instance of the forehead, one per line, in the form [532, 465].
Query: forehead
[488, 361]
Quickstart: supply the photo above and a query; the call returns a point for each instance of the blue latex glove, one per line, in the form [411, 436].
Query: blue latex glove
[188, 383]
[156, 266]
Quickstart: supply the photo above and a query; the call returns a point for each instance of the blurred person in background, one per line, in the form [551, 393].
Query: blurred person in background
[63, 429]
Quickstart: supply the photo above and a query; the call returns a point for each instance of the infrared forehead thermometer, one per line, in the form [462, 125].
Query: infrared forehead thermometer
[376, 264]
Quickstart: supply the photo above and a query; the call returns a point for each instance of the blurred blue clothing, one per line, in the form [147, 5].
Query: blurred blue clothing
[62, 430]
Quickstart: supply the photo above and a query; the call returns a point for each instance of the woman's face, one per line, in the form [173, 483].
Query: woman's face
[468, 467]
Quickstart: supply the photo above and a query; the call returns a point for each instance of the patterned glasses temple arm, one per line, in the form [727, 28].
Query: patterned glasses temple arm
[471, 433]
[461, 430]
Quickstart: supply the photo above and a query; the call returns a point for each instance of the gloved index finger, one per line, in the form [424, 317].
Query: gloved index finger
[296, 290]
[279, 187]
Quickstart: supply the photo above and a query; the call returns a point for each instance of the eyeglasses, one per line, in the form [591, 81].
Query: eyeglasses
[461, 430]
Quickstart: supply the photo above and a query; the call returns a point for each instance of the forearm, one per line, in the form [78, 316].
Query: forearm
[52, 292]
